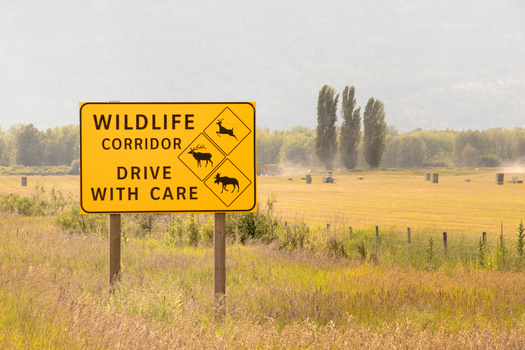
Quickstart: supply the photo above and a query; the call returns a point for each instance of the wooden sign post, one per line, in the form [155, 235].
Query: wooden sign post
[219, 271]
[114, 249]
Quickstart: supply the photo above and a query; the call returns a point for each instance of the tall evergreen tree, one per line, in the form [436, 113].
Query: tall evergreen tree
[326, 140]
[350, 129]
[374, 132]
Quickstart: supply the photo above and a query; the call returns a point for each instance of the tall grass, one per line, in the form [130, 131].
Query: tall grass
[288, 286]
[54, 295]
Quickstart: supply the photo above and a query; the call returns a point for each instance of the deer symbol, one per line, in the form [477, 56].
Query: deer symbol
[223, 130]
[200, 156]
[224, 180]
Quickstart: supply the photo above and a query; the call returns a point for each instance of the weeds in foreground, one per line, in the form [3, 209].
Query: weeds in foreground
[481, 255]
[520, 242]
[430, 253]
[54, 296]
[500, 255]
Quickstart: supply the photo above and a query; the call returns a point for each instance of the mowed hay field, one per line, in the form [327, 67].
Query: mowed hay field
[54, 293]
[400, 200]
[386, 199]
[13, 184]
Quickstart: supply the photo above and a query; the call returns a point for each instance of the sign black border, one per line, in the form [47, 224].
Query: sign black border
[173, 211]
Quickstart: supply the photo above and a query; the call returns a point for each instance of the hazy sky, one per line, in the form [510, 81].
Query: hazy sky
[446, 64]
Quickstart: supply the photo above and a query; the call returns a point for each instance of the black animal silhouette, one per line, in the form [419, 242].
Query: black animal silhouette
[200, 156]
[223, 130]
[224, 180]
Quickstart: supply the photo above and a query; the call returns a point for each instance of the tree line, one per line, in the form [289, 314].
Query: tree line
[417, 148]
[378, 144]
[24, 144]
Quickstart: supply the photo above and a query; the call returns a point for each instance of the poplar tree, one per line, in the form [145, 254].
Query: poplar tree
[326, 140]
[374, 132]
[350, 129]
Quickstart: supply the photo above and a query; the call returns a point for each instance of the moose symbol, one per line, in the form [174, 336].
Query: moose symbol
[224, 180]
[200, 156]
[223, 130]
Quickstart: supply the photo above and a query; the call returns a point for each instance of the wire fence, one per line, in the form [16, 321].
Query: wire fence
[419, 244]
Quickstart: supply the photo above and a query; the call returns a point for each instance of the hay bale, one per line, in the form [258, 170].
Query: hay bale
[500, 178]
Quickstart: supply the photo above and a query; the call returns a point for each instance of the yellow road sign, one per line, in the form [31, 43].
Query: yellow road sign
[140, 157]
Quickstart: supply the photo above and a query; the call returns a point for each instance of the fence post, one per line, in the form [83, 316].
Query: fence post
[377, 238]
[445, 242]
[350, 231]
[408, 235]
[484, 235]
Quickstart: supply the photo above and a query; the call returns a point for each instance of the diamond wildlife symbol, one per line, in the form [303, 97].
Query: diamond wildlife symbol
[201, 157]
[227, 182]
[227, 131]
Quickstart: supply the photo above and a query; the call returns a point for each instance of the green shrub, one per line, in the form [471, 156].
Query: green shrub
[520, 243]
[481, 256]
[71, 221]
[500, 254]
[254, 226]
[192, 230]
[336, 248]
[74, 169]
[294, 239]
[175, 231]
[22, 205]
[207, 231]
[145, 223]
[361, 250]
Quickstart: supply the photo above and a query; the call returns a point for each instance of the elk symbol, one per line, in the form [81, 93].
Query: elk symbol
[200, 156]
[224, 180]
[223, 130]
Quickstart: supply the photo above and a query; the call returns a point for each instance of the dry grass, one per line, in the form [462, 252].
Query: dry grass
[53, 295]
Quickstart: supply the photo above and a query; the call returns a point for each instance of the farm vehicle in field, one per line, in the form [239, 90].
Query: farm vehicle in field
[328, 178]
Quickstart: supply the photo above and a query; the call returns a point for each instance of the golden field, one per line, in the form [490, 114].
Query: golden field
[401, 200]
[54, 293]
